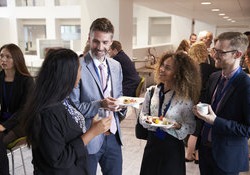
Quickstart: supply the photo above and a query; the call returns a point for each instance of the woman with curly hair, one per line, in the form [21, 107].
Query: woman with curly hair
[177, 90]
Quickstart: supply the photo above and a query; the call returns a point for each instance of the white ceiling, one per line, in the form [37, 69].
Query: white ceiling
[238, 10]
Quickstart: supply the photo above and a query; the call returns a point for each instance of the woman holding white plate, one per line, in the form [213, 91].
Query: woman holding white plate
[178, 89]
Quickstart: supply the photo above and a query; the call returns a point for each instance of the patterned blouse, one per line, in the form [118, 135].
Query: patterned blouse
[76, 115]
[180, 110]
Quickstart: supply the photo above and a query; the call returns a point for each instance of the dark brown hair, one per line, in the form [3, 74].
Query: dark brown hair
[18, 58]
[103, 25]
[116, 45]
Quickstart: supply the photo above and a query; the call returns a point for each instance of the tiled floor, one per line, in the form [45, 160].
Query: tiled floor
[132, 152]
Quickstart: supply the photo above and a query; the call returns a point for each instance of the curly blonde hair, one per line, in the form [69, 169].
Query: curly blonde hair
[198, 52]
[187, 82]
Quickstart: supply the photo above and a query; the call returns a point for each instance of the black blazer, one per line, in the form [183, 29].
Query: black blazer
[22, 87]
[231, 128]
[131, 79]
[206, 70]
[60, 149]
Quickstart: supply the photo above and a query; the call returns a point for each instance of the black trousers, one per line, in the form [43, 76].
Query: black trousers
[163, 156]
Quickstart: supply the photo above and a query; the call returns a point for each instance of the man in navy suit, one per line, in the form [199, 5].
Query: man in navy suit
[223, 147]
[131, 79]
[95, 91]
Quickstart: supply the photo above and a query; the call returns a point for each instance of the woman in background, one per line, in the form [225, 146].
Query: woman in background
[15, 84]
[198, 52]
[55, 128]
[184, 46]
[177, 91]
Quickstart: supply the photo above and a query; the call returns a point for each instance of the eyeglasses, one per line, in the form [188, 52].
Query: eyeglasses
[221, 53]
[6, 56]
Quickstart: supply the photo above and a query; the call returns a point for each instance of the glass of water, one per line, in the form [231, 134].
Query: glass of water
[103, 112]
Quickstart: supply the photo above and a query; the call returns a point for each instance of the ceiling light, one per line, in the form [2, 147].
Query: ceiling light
[233, 21]
[229, 19]
[225, 17]
[222, 14]
[215, 10]
[206, 3]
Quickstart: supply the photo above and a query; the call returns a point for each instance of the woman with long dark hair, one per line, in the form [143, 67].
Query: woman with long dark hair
[55, 128]
[15, 84]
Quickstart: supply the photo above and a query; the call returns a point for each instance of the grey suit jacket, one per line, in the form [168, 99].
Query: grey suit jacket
[88, 95]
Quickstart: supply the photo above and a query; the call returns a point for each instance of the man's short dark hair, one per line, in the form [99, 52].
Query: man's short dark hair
[103, 25]
[116, 45]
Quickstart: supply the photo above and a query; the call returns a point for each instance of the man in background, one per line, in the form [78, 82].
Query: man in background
[192, 39]
[131, 79]
[207, 38]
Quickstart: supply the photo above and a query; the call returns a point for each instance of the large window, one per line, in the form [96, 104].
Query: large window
[70, 32]
[31, 33]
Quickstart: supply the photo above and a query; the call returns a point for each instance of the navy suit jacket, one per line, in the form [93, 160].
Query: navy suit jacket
[131, 79]
[231, 128]
[88, 95]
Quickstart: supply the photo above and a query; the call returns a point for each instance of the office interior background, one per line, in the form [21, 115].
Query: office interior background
[142, 26]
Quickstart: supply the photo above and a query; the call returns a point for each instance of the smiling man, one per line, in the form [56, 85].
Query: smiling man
[223, 149]
[100, 86]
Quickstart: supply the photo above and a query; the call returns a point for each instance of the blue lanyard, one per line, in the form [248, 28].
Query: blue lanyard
[161, 100]
[99, 76]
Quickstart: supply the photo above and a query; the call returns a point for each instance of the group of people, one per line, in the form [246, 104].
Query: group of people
[59, 114]
[221, 135]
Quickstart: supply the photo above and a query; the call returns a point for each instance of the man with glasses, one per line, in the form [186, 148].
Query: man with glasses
[223, 148]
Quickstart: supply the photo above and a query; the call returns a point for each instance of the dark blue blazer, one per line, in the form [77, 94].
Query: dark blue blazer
[131, 79]
[231, 128]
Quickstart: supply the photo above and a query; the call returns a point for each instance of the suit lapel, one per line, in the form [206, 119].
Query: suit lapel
[228, 93]
[91, 67]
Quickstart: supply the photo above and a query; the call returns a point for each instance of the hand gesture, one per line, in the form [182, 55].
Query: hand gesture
[110, 103]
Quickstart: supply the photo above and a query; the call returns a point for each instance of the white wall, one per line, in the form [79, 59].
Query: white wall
[4, 30]
[181, 29]
[119, 12]
[229, 29]
[201, 26]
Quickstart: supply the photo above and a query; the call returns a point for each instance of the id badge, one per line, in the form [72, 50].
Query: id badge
[160, 134]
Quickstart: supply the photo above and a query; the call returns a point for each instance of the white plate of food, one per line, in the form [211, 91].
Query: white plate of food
[161, 122]
[130, 101]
